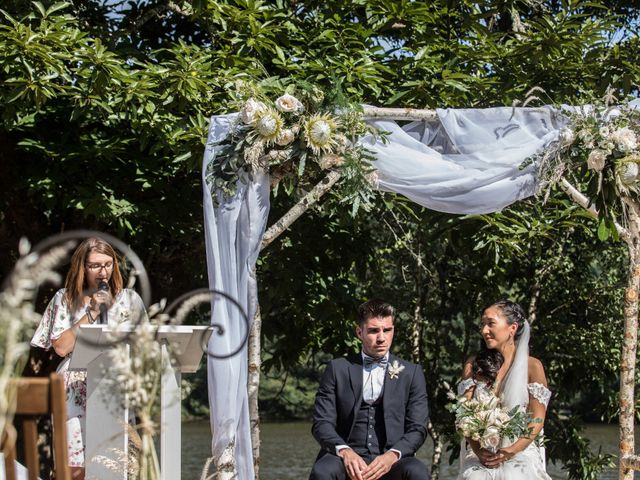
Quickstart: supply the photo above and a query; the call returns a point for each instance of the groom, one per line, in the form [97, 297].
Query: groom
[371, 412]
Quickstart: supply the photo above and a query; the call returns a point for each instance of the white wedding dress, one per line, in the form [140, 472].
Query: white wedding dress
[530, 463]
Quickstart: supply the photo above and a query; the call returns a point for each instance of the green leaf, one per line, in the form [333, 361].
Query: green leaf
[603, 230]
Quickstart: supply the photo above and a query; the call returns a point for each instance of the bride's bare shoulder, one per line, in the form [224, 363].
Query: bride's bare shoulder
[536, 371]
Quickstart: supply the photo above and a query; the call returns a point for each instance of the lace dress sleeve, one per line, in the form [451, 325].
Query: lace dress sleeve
[540, 393]
[465, 385]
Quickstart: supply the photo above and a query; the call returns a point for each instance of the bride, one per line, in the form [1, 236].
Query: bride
[503, 366]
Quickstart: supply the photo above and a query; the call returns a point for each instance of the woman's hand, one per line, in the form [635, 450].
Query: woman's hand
[490, 459]
[101, 300]
[485, 456]
[494, 460]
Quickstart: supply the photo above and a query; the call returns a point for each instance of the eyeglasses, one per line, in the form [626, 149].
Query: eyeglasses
[96, 267]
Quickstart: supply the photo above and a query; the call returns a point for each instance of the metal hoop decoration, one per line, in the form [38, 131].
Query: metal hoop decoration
[215, 327]
[126, 251]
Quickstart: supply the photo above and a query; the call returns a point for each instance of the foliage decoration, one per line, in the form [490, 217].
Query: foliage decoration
[598, 145]
[293, 137]
[18, 317]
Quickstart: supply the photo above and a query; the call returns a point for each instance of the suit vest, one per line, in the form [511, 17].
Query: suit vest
[368, 436]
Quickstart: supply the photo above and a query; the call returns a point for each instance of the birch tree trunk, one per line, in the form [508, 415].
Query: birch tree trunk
[628, 459]
[438, 444]
[253, 388]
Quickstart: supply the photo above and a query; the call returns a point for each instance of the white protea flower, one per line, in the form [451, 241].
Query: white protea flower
[250, 110]
[625, 139]
[320, 132]
[597, 159]
[628, 174]
[268, 125]
[289, 103]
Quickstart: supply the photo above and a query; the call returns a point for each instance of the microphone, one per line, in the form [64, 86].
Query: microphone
[104, 287]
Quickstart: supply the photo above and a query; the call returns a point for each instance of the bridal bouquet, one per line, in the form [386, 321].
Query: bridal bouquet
[486, 421]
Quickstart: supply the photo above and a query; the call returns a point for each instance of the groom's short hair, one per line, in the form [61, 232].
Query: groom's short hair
[375, 308]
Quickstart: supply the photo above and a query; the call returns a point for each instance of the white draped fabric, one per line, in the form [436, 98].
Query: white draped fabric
[469, 163]
[233, 232]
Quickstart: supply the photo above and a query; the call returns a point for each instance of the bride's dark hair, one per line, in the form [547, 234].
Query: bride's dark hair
[488, 360]
[486, 364]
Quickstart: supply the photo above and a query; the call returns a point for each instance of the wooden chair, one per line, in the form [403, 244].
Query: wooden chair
[37, 397]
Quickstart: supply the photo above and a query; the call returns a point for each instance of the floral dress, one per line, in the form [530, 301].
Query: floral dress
[56, 319]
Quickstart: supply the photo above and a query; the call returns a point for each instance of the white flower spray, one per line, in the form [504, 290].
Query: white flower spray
[18, 318]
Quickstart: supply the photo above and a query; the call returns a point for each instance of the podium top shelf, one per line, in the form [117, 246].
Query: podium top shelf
[186, 343]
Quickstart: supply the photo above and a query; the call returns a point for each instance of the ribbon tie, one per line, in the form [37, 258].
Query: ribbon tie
[370, 362]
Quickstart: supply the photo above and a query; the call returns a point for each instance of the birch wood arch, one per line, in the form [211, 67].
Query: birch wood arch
[629, 460]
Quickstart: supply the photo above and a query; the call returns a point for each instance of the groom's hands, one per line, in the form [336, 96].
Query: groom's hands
[380, 465]
[357, 469]
[353, 463]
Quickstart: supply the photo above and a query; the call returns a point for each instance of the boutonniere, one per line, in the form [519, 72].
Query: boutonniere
[394, 369]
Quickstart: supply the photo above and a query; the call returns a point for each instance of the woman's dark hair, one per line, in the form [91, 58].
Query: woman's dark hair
[489, 360]
[486, 364]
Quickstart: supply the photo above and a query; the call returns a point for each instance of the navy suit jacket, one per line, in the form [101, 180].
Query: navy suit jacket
[339, 397]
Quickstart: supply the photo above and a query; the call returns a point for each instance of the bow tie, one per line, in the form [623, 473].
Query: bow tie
[370, 362]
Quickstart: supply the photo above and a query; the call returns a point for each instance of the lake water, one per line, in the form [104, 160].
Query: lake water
[288, 451]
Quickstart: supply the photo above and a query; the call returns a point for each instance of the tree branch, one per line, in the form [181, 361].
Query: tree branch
[375, 113]
[299, 208]
[583, 201]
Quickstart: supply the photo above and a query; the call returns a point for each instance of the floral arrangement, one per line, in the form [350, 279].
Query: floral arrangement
[599, 145]
[290, 134]
[486, 421]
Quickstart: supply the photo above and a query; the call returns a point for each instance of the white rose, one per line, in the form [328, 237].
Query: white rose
[625, 139]
[285, 137]
[250, 109]
[465, 427]
[288, 103]
[504, 416]
[491, 439]
[597, 159]
[604, 131]
[566, 137]
[495, 418]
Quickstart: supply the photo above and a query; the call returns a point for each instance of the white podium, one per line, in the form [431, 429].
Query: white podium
[106, 421]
